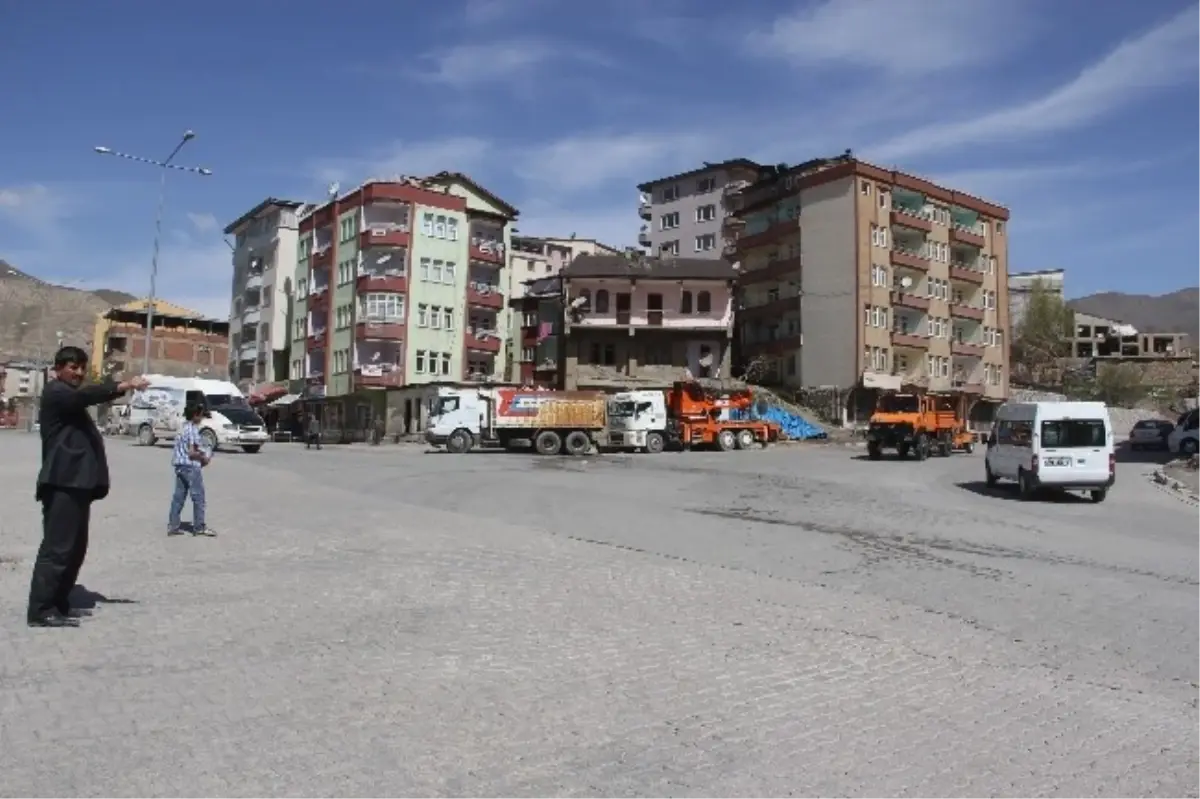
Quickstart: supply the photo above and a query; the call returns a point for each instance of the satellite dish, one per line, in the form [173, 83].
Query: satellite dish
[578, 302]
[906, 282]
[333, 189]
[706, 360]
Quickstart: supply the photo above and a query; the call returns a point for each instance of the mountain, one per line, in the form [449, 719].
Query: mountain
[1177, 312]
[34, 314]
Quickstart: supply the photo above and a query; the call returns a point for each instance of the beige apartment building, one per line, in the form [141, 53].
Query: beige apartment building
[858, 279]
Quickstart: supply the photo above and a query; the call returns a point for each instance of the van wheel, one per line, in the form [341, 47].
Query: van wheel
[209, 438]
[547, 443]
[577, 443]
[655, 443]
[1099, 494]
[745, 439]
[146, 436]
[460, 441]
[1025, 485]
[988, 477]
[726, 440]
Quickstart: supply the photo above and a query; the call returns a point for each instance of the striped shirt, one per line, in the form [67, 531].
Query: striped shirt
[189, 436]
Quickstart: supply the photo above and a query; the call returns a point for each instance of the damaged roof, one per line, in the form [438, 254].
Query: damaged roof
[650, 268]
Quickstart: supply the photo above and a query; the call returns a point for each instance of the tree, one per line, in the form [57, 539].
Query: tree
[1121, 385]
[1043, 336]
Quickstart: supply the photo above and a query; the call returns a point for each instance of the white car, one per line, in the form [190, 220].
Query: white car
[1150, 434]
[1183, 440]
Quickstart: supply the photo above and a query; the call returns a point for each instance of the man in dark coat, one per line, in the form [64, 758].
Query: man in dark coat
[74, 474]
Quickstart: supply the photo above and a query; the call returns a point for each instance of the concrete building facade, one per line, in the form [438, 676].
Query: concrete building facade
[184, 343]
[858, 278]
[264, 258]
[688, 215]
[1021, 286]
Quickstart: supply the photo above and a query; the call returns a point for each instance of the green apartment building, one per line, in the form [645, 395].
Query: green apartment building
[398, 284]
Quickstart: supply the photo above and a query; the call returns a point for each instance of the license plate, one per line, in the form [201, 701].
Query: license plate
[1057, 461]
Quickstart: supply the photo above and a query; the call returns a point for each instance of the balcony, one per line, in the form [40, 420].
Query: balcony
[644, 209]
[911, 341]
[484, 295]
[644, 237]
[254, 280]
[905, 299]
[482, 340]
[910, 259]
[315, 340]
[385, 223]
[772, 308]
[913, 220]
[966, 312]
[487, 249]
[251, 315]
[248, 351]
[378, 377]
[967, 382]
[771, 235]
[775, 270]
[967, 236]
[730, 250]
[731, 223]
[382, 329]
[967, 350]
[961, 270]
[395, 282]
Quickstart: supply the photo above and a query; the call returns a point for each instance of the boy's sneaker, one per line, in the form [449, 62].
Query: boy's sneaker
[205, 531]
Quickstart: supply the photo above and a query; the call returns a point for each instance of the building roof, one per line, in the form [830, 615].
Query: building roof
[510, 209]
[648, 268]
[708, 167]
[270, 202]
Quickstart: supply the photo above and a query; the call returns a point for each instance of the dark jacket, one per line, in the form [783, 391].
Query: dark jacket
[72, 447]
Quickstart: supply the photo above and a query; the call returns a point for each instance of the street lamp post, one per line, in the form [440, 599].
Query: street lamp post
[164, 166]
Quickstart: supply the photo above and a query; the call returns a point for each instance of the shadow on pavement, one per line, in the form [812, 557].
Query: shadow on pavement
[1009, 491]
[1127, 454]
[85, 599]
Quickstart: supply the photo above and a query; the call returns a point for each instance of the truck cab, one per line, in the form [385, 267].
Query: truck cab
[455, 410]
[637, 420]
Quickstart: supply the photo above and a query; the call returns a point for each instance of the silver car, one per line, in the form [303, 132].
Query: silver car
[1150, 434]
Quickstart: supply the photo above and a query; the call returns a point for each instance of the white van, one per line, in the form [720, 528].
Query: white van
[157, 413]
[1058, 445]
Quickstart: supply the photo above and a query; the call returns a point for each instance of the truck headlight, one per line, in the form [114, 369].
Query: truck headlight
[229, 427]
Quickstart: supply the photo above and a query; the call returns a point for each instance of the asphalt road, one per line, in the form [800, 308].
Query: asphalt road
[794, 621]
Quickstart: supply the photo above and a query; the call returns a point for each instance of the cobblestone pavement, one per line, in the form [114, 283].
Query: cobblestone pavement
[795, 621]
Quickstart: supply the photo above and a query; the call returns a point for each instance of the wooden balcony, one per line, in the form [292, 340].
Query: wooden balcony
[910, 259]
[392, 379]
[481, 344]
[491, 298]
[961, 235]
[909, 340]
[966, 274]
[966, 312]
[910, 220]
[774, 308]
[904, 299]
[772, 271]
[382, 331]
[967, 350]
[385, 283]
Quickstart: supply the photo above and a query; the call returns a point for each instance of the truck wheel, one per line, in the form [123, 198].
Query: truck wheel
[209, 439]
[655, 443]
[921, 447]
[460, 441]
[902, 451]
[726, 440]
[146, 436]
[874, 451]
[745, 439]
[577, 443]
[547, 443]
[251, 449]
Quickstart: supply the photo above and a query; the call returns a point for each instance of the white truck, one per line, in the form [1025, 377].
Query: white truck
[549, 421]
[157, 413]
[637, 420]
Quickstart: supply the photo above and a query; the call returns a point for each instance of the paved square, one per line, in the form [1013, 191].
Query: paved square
[795, 621]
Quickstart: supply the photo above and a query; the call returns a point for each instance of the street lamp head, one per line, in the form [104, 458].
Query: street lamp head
[188, 135]
[204, 171]
[103, 150]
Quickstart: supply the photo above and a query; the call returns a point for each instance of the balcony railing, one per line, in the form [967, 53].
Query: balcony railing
[654, 318]
[912, 259]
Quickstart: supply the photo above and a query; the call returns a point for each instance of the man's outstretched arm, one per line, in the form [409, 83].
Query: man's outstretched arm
[62, 398]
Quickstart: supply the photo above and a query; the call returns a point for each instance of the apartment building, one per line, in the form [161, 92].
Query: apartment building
[1021, 286]
[264, 258]
[399, 283]
[635, 320]
[859, 278]
[183, 342]
[538, 322]
[689, 215]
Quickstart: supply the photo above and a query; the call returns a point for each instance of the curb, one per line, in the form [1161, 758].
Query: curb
[1164, 482]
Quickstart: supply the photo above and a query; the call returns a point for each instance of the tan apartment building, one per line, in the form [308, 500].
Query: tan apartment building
[858, 278]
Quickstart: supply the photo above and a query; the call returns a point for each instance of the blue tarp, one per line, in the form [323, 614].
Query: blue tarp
[795, 427]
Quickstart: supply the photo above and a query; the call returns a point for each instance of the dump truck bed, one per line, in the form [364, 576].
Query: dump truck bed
[550, 410]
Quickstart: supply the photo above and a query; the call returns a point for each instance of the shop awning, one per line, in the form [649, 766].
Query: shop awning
[285, 400]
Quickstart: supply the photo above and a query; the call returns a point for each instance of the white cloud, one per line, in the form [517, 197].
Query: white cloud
[495, 62]
[34, 208]
[580, 163]
[451, 154]
[1161, 57]
[490, 12]
[937, 35]
[202, 222]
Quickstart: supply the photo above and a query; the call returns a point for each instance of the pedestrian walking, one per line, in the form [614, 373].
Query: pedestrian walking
[74, 474]
[187, 459]
[313, 436]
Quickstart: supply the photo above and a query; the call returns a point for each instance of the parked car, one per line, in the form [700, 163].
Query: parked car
[1183, 439]
[1150, 434]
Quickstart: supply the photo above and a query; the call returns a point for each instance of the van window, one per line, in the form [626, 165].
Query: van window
[1014, 434]
[1068, 433]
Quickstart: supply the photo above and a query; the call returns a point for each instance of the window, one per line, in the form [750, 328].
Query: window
[1074, 433]
[706, 213]
[447, 318]
[422, 315]
[884, 198]
[384, 307]
[425, 269]
[864, 188]
[445, 363]
[448, 272]
[668, 221]
[435, 271]
[439, 227]
[586, 296]
[999, 228]
[427, 224]
[704, 302]
[670, 247]
[706, 242]
[348, 227]
[419, 367]
[879, 276]
[670, 193]
[705, 185]
[900, 363]
[685, 302]
[452, 229]
[601, 301]
[528, 354]
[879, 236]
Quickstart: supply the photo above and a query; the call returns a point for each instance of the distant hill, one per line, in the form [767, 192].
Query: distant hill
[1177, 312]
[35, 314]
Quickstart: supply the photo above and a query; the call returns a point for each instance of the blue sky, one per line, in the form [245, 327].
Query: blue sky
[1080, 115]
